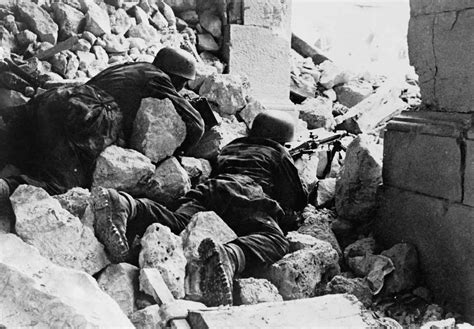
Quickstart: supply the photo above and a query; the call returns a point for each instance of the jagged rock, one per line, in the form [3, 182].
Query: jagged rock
[198, 169]
[179, 309]
[251, 110]
[202, 225]
[253, 291]
[26, 37]
[206, 42]
[299, 274]
[189, 16]
[10, 24]
[169, 182]
[140, 15]
[159, 21]
[36, 291]
[158, 129]
[122, 169]
[7, 41]
[163, 250]
[331, 75]
[115, 43]
[85, 59]
[317, 223]
[356, 286]
[360, 178]
[374, 267]
[147, 318]
[89, 37]
[96, 67]
[361, 247]
[82, 45]
[307, 166]
[300, 241]
[216, 138]
[405, 276]
[76, 200]
[41, 69]
[326, 192]
[60, 236]
[317, 112]
[137, 43]
[69, 19]
[211, 23]
[146, 32]
[72, 65]
[59, 63]
[120, 281]
[353, 92]
[169, 15]
[203, 71]
[10, 98]
[97, 20]
[100, 54]
[120, 22]
[38, 20]
[225, 90]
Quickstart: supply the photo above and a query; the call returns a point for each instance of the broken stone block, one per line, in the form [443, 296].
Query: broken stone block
[169, 182]
[299, 274]
[85, 59]
[7, 42]
[211, 23]
[38, 20]
[147, 318]
[360, 178]
[202, 225]
[307, 165]
[326, 192]
[159, 21]
[158, 129]
[115, 43]
[332, 75]
[60, 236]
[216, 138]
[25, 37]
[353, 92]
[273, 14]
[34, 290]
[68, 18]
[97, 20]
[206, 42]
[251, 110]
[122, 169]
[317, 112]
[82, 45]
[225, 90]
[361, 247]
[146, 32]
[169, 15]
[317, 223]
[356, 286]
[120, 281]
[405, 276]
[198, 169]
[251, 291]
[120, 22]
[300, 241]
[163, 250]
[178, 309]
[374, 267]
[76, 200]
[203, 71]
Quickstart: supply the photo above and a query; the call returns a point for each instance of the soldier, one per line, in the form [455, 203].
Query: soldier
[254, 187]
[57, 136]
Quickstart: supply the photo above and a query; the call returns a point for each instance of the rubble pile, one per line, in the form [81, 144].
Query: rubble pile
[331, 252]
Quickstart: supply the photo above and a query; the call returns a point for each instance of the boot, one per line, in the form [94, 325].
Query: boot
[218, 269]
[4, 190]
[112, 210]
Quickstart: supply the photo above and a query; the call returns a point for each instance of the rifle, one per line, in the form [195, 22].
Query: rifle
[313, 142]
[204, 108]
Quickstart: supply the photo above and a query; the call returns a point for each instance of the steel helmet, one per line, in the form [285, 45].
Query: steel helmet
[276, 125]
[176, 61]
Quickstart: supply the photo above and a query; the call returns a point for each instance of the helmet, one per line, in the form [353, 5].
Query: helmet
[176, 61]
[276, 125]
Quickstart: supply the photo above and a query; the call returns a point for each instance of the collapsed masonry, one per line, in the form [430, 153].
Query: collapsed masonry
[332, 252]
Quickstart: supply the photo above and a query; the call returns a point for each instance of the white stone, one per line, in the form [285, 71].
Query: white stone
[147, 318]
[198, 169]
[273, 14]
[251, 110]
[97, 20]
[307, 166]
[317, 112]
[58, 235]
[36, 291]
[332, 75]
[203, 71]
[38, 20]
[353, 92]
[206, 42]
[115, 43]
[251, 291]
[300, 241]
[146, 32]
[163, 250]
[76, 200]
[68, 18]
[326, 191]
[211, 23]
[122, 169]
[158, 129]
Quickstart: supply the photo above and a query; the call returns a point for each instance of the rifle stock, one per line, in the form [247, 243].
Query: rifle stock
[312, 143]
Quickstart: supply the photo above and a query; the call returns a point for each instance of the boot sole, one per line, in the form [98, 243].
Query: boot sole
[215, 285]
[104, 227]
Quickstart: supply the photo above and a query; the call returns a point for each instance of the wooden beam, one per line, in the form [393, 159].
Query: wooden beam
[60, 46]
[305, 50]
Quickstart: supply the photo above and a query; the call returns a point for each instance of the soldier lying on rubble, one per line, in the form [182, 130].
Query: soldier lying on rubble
[57, 136]
[253, 186]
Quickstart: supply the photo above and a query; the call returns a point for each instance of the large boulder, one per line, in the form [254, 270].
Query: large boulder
[301, 273]
[120, 22]
[198, 169]
[58, 235]
[97, 20]
[163, 250]
[227, 91]
[120, 281]
[203, 72]
[373, 267]
[300, 241]
[146, 32]
[353, 92]
[76, 201]
[158, 129]
[123, 169]
[251, 291]
[317, 112]
[307, 166]
[69, 19]
[405, 276]
[36, 291]
[360, 178]
[332, 75]
[202, 225]
[38, 20]
[169, 183]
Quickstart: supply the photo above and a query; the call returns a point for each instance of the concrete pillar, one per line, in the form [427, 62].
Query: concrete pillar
[428, 170]
[260, 49]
